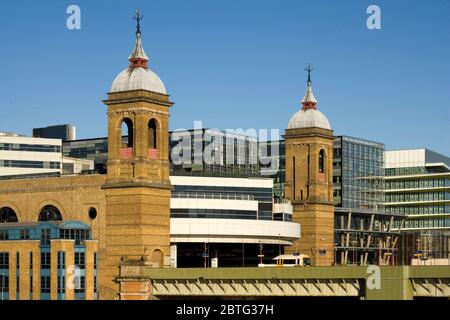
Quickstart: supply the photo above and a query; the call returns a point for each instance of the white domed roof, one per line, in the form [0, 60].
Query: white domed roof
[138, 79]
[309, 118]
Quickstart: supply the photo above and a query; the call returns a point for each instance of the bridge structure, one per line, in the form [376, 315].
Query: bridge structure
[140, 282]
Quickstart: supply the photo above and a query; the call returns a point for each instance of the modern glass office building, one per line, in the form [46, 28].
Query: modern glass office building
[417, 183]
[211, 152]
[93, 149]
[364, 231]
[358, 173]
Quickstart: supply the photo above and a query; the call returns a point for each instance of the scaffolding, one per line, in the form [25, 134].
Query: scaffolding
[367, 237]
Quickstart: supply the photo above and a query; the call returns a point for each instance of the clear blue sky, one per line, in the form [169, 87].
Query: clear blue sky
[235, 64]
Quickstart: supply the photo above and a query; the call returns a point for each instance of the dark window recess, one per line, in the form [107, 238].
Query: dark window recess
[322, 161]
[213, 214]
[50, 213]
[92, 213]
[7, 215]
[262, 206]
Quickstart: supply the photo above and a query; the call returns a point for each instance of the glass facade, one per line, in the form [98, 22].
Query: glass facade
[417, 183]
[29, 147]
[262, 195]
[358, 173]
[92, 149]
[272, 159]
[206, 152]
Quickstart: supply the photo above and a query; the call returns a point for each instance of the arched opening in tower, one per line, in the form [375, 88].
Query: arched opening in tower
[152, 135]
[322, 161]
[127, 133]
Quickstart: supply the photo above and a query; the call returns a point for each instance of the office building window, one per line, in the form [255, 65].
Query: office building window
[45, 236]
[61, 284]
[31, 260]
[4, 235]
[4, 283]
[95, 260]
[45, 285]
[45, 260]
[4, 260]
[61, 260]
[24, 234]
[81, 287]
[80, 260]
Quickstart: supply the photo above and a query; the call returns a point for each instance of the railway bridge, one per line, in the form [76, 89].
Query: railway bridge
[139, 281]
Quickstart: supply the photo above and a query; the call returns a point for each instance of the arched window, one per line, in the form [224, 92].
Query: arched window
[127, 133]
[152, 134]
[7, 215]
[50, 213]
[322, 161]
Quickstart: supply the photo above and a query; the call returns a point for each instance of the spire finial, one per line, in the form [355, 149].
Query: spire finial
[138, 58]
[309, 70]
[309, 101]
[138, 17]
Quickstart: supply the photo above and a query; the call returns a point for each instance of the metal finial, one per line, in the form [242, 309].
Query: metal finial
[138, 17]
[309, 70]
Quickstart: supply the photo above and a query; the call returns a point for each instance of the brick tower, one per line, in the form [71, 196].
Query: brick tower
[137, 187]
[309, 180]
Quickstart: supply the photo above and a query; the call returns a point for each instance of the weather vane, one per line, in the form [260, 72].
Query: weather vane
[309, 70]
[138, 17]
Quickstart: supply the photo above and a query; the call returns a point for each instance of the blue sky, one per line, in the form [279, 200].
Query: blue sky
[235, 64]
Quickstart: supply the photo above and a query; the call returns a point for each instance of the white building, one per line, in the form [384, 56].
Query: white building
[27, 156]
[227, 221]
[22, 156]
